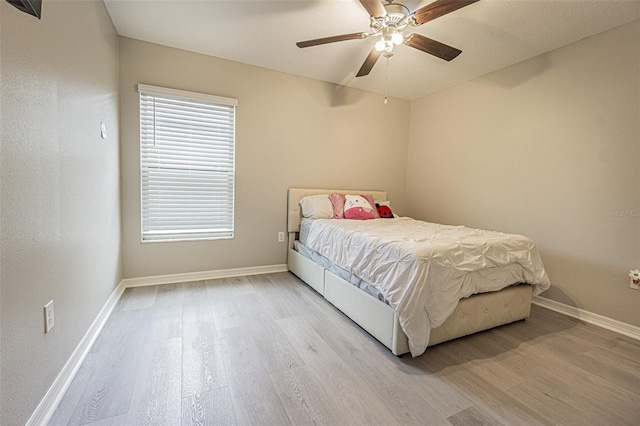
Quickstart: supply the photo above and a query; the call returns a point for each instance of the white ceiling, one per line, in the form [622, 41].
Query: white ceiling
[492, 34]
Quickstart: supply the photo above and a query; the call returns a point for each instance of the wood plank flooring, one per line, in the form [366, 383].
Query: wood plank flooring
[268, 350]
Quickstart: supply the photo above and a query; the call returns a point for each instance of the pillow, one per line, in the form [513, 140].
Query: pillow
[316, 207]
[337, 202]
[359, 207]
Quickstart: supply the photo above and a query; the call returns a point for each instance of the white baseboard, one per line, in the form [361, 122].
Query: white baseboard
[47, 407]
[589, 317]
[203, 275]
[52, 398]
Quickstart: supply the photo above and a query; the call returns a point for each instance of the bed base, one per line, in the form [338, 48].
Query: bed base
[476, 313]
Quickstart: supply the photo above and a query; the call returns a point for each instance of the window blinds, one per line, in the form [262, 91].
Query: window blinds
[187, 160]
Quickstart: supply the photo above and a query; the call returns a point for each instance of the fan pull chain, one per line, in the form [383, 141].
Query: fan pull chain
[386, 82]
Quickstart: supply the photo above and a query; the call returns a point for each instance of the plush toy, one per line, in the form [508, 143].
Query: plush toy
[357, 207]
[384, 211]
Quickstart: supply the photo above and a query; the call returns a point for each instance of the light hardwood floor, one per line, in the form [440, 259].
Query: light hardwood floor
[268, 350]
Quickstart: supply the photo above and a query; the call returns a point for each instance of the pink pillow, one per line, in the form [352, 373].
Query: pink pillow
[359, 207]
[337, 201]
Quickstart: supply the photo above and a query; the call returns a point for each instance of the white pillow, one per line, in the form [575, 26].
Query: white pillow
[317, 207]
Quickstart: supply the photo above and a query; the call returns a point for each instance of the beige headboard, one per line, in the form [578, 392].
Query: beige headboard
[296, 194]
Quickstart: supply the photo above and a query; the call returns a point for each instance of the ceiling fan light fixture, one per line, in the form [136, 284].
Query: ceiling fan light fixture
[388, 23]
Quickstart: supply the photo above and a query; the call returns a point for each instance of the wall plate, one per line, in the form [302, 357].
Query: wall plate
[49, 317]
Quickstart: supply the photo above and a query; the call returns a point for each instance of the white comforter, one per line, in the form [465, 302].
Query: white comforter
[424, 269]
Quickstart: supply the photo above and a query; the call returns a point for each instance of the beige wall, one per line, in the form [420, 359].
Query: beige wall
[291, 131]
[59, 189]
[545, 148]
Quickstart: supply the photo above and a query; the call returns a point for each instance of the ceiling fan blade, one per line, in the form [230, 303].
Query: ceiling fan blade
[371, 60]
[333, 39]
[432, 47]
[374, 7]
[439, 8]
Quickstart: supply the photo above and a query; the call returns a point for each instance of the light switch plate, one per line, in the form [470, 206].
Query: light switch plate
[49, 317]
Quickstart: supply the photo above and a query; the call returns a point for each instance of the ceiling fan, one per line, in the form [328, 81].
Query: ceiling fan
[388, 22]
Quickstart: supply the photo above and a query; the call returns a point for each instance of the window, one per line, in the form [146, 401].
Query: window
[187, 161]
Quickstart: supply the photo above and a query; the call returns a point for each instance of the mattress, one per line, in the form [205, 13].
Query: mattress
[422, 270]
[338, 271]
[305, 226]
[349, 277]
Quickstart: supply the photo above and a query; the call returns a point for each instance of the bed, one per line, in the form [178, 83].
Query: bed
[362, 291]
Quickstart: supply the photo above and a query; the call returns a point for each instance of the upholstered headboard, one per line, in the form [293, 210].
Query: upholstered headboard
[296, 194]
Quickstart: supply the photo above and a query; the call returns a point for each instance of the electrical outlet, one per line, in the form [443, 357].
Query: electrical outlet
[49, 317]
[281, 237]
[632, 285]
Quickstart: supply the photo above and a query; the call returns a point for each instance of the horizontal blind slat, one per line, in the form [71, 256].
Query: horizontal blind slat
[187, 162]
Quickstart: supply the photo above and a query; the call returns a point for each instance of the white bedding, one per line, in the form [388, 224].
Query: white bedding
[347, 276]
[423, 269]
